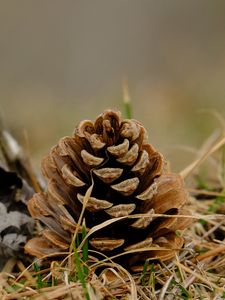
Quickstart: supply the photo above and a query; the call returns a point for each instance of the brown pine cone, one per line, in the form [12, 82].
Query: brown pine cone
[128, 179]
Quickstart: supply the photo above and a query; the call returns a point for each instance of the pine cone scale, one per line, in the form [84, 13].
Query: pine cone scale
[126, 187]
[119, 150]
[55, 239]
[106, 244]
[144, 221]
[70, 177]
[121, 210]
[108, 175]
[141, 163]
[95, 204]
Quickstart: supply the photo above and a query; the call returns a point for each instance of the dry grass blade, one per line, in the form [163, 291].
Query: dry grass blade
[165, 287]
[211, 253]
[201, 278]
[205, 192]
[216, 115]
[86, 198]
[189, 169]
[9, 265]
[137, 216]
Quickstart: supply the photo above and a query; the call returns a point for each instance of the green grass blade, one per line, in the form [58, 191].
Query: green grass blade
[126, 100]
[213, 208]
[152, 278]
[85, 248]
[80, 273]
[144, 272]
[39, 281]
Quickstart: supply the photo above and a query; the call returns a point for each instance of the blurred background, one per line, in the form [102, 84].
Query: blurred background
[63, 61]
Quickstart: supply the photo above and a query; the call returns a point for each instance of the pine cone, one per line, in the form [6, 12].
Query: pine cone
[128, 179]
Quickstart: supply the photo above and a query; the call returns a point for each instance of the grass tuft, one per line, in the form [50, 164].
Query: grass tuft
[81, 273]
[39, 280]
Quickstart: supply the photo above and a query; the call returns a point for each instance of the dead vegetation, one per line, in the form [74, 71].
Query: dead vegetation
[197, 272]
